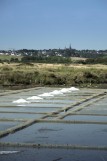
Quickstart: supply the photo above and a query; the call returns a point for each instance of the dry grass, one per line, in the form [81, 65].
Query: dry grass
[52, 74]
[53, 66]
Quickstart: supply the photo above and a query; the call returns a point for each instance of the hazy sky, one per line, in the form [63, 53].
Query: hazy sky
[44, 24]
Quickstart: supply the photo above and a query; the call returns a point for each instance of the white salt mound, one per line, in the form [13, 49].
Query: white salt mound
[56, 92]
[46, 95]
[73, 89]
[65, 90]
[21, 105]
[21, 101]
[34, 98]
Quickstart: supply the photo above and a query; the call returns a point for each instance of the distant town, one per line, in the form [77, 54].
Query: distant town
[66, 52]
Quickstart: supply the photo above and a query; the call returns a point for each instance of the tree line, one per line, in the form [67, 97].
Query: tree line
[56, 59]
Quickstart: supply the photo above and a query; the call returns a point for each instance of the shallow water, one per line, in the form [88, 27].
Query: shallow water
[86, 118]
[24, 109]
[6, 125]
[58, 133]
[97, 107]
[19, 116]
[32, 154]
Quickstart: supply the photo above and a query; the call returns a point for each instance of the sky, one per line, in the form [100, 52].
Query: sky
[49, 24]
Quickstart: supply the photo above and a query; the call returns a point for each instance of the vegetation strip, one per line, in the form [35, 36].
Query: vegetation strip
[18, 112]
[73, 121]
[8, 119]
[58, 146]
[5, 106]
[86, 114]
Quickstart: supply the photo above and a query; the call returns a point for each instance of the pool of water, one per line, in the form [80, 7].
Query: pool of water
[97, 107]
[24, 109]
[58, 133]
[86, 118]
[6, 125]
[32, 154]
[19, 116]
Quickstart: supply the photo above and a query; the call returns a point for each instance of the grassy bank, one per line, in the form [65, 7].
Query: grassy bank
[52, 75]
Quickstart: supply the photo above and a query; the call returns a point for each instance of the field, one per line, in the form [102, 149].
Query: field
[19, 74]
[9, 57]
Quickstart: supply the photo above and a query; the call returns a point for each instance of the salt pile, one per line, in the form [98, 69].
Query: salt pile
[56, 92]
[21, 101]
[34, 98]
[50, 94]
[22, 105]
[73, 89]
[46, 95]
[65, 90]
